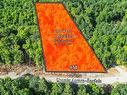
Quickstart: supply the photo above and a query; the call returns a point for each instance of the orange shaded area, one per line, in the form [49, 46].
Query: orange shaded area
[64, 47]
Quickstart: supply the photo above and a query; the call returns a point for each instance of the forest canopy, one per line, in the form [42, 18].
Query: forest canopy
[29, 85]
[103, 23]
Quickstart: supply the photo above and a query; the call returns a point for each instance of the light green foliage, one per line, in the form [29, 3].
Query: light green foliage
[82, 90]
[19, 35]
[43, 86]
[120, 89]
[103, 23]
[29, 85]
[12, 87]
[57, 89]
[68, 90]
[95, 90]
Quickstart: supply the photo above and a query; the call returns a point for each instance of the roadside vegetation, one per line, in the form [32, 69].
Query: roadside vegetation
[29, 85]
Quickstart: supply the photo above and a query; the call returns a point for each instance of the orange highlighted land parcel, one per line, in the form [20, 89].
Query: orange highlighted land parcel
[64, 47]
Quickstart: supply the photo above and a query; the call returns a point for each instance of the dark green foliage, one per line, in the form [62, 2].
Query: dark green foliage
[36, 86]
[93, 89]
[104, 25]
[13, 87]
[103, 22]
[19, 35]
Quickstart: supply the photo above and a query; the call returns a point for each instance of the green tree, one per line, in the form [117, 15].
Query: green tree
[57, 89]
[43, 87]
[93, 89]
[67, 89]
[120, 89]
[24, 91]
[82, 90]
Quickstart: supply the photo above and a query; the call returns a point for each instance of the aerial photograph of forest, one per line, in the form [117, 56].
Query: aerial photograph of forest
[102, 22]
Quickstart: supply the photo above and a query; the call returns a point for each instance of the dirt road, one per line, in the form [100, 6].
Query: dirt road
[107, 78]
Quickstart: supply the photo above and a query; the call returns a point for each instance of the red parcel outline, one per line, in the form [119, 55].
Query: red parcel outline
[75, 57]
